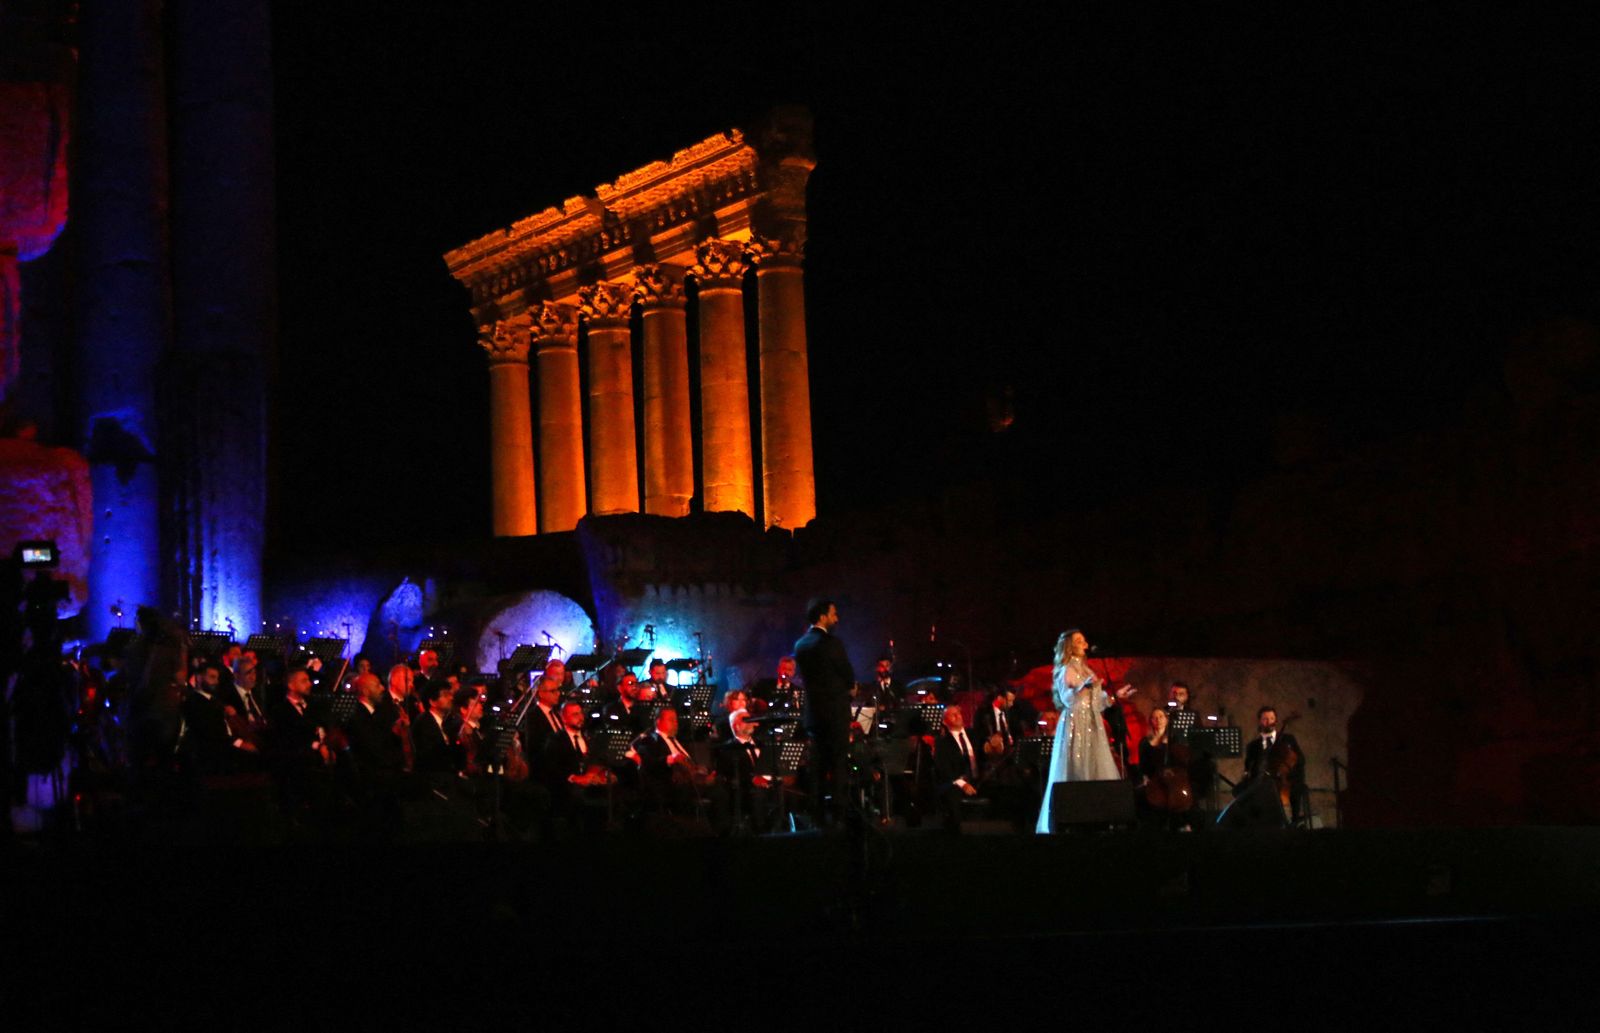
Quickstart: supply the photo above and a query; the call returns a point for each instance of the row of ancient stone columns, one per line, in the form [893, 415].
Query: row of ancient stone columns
[549, 332]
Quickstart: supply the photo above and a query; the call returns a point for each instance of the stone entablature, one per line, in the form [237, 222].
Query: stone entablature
[713, 211]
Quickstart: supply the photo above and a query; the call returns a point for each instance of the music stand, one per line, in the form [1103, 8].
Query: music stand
[209, 644]
[930, 716]
[1037, 750]
[331, 650]
[263, 644]
[792, 755]
[1182, 723]
[342, 706]
[693, 698]
[1218, 742]
[614, 744]
[585, 662]
[633, 657]
[528, 657]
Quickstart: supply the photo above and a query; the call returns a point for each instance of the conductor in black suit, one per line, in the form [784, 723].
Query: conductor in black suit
[825, 669]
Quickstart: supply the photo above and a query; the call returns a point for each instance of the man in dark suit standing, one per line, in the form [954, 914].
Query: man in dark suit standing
[1257, 754]
[825, 669]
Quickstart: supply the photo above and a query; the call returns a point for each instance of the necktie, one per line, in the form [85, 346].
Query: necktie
[1005, 730]
[251, 710]
[966, 750]
[550, 715]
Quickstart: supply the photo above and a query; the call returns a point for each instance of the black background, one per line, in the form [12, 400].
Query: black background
[1167, 240]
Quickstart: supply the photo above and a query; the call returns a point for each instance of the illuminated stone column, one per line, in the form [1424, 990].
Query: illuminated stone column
[510, 427]
[563, 496]
[727, 469]
[613, 459]
[787, 485]
[668, 440]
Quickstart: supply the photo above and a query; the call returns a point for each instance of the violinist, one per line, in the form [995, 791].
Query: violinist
[1275, 753]
[402, 692]
[438, 757]
[544, 717]
[297, 746]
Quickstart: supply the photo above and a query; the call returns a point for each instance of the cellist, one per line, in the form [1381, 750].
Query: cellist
[1275, 753]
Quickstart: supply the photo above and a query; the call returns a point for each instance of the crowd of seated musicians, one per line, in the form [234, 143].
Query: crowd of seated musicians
[419, 734]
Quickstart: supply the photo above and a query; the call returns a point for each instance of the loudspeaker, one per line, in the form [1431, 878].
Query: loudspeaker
[1075, 804]
[1256, 807]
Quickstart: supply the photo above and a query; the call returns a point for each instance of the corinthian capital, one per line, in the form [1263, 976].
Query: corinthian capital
[505, 340]
[785, 248]
[554, 326]
[659, 286]
[719, 263]
[606, 303]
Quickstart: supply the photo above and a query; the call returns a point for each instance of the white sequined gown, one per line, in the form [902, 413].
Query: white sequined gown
[1082, 751]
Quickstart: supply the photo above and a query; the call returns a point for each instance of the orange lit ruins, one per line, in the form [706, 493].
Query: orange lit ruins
[730, 203]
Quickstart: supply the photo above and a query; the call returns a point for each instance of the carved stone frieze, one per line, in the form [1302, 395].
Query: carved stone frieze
[606, 303]
[659, 286]
[719, 263]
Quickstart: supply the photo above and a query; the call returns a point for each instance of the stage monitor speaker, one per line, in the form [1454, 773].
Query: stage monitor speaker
[1091, 804]
[1256, 807]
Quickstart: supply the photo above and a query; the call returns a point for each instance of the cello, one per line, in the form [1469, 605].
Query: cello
[1169, 789]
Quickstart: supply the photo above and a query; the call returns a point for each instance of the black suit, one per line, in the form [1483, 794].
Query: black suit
[292, 740]
[738, 764]
[949, 765]
[1255, 763]
[207, 743]
[536, 732]
[825, 668]
[635, 719]
[657, 786]
[374, 746]
[436, 755]
[562, 759]
[984, 725]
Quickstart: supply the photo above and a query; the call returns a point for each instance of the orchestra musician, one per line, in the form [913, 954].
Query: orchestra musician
[1275, 748]
[887, 690]
[402, 692]
[378, 750]
[992, 724]
[722, 715]
[956, 767]
[297, 746]
[656, 688]
[206, 741]
[779, 689]
[628, 711]
[746, 775]
[438, 758]
[566, 767]
[668, 776]
[544, 718]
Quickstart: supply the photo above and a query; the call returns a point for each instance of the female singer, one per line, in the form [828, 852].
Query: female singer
[1082, 751]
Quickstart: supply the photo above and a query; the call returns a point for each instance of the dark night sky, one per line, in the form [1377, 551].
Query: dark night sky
[1164, 237]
